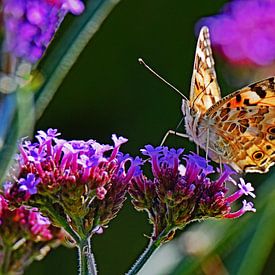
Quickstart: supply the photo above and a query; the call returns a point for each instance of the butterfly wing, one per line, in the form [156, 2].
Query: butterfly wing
[204, 91]
[243, 127]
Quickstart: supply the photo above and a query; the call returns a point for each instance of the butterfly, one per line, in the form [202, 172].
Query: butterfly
[238, 129]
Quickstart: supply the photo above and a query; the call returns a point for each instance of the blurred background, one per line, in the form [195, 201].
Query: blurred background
[107, 92]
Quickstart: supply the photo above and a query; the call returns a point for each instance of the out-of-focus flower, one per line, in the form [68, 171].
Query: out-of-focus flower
[31, 24]
[244, 31]
[84, 182]
[178, 195]
[25, 236]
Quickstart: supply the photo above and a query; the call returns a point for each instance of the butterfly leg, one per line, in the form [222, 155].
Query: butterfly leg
[207, 145]
[198, 150]
[220, 161]
[172, 132]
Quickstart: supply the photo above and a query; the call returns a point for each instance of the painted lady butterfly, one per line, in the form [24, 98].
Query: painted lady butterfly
[238, 129]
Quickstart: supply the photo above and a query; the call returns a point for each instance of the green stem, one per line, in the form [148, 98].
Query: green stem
[78, 223]
[86, 258]
[6, 261]
[154, 244]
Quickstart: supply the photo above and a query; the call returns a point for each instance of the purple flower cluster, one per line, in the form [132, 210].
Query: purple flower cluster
[23, 234]
[244, 31]
[178, 194]
[82, 180]
[31, 24]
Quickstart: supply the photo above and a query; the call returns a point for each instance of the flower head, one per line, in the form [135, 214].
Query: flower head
[179, 194]
[25, 233]
[82, 180]
[244, 39]
[31, 24]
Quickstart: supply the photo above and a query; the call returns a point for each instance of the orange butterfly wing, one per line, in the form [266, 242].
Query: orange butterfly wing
[243, 124]
[238, 129]
[204, 91]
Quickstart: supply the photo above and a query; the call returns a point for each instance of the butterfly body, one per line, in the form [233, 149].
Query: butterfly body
[198, 128]
[238, 129]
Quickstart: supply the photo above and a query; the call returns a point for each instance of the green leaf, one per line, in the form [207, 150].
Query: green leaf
[262, 242]
[66, 51]
[18, 123]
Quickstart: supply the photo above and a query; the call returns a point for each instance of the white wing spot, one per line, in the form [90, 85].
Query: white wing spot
[208, 62]
[207, 51]
[201, 54]
[206, 43]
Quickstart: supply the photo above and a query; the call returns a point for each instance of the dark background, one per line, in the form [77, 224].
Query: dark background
[107, 92]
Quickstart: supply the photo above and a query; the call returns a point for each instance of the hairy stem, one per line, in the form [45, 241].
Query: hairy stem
[86, 258]
[154, 244]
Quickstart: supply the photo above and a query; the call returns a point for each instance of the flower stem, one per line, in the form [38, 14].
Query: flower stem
[86, 258]
[6, 261]
[154, 244]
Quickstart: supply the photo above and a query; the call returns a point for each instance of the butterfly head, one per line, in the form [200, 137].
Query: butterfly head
[191, 118]
[187, 108]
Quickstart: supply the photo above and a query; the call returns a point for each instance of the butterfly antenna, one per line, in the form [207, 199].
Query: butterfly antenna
[140, 60]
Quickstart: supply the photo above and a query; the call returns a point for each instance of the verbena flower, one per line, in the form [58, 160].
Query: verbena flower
[244, 31]
[31, 24]
[25, 236]
[179, 194]
[83, 181]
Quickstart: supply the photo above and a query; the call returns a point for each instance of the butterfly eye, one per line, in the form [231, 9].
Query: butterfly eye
[271, 130]
[193, 111]
[257, 155]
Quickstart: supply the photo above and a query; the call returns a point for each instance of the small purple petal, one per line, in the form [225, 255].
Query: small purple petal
[246, 188]
[98, 230]
[247, 207]
[74, 6]
[134, 168]
[29, 184]
[151, 151]
[118, 141]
